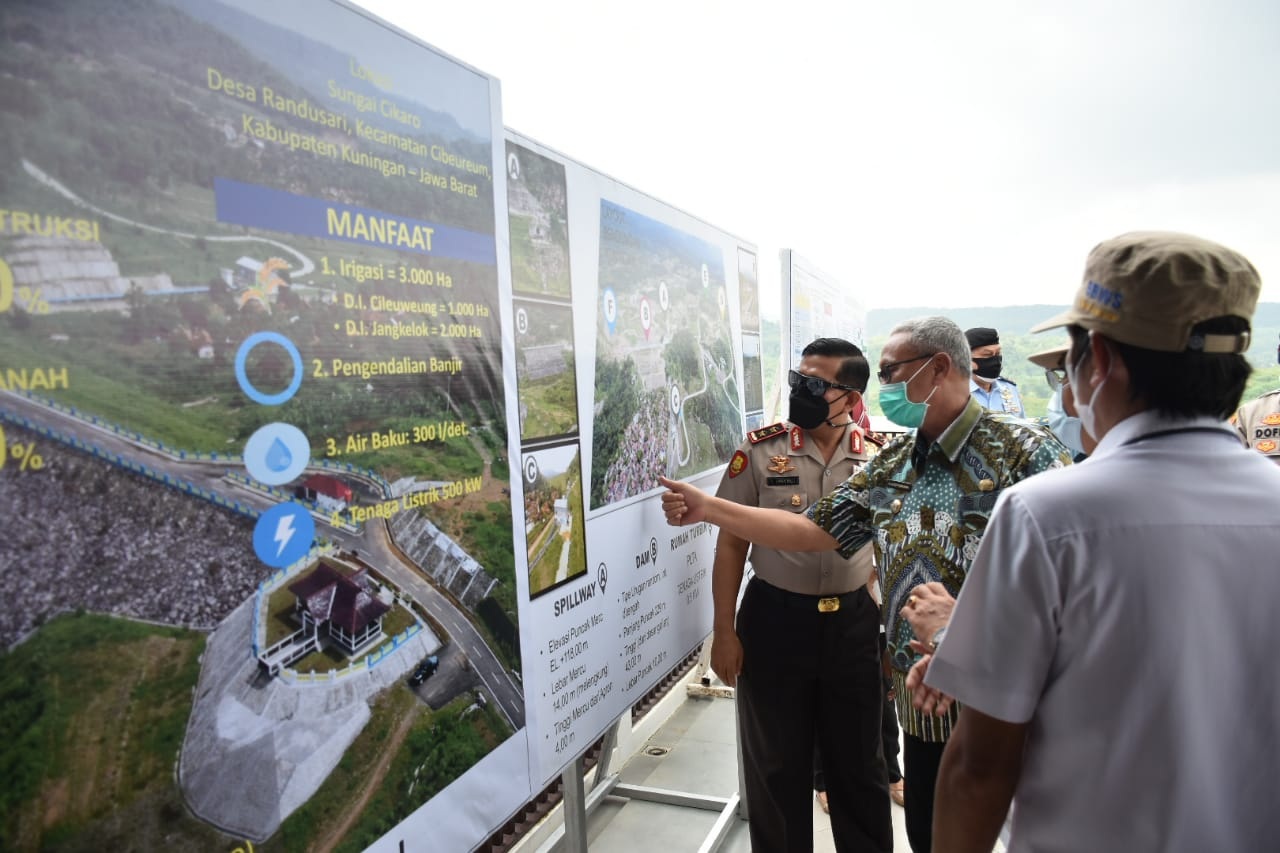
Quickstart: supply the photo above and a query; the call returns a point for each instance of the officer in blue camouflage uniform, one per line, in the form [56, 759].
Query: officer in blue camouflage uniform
[992, 391]
[803, 653]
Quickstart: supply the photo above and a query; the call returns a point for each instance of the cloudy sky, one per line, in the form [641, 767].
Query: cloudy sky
[927, 153]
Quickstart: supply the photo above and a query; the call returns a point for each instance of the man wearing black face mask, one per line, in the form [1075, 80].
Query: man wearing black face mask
[804, 652]
[988, 387]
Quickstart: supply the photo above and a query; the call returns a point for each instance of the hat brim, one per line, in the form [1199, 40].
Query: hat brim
[1066, 318]
[1050, 358]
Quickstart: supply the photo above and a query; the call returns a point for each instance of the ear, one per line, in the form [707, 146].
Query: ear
[1104, 359]
[942, 365]
[1069, 402]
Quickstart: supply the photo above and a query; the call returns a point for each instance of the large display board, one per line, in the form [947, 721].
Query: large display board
[629, 367]
[310, 472]
[252, 277]
[752, 338]
[816, 305]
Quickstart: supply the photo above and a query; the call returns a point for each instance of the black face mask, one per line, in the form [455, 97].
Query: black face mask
[808, 411]
[988, 368]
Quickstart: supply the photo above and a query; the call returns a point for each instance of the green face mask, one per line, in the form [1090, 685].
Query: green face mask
[899, 408]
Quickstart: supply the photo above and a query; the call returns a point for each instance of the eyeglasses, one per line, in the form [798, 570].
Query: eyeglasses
[886, 372]
[815, 385]
[1056, 377]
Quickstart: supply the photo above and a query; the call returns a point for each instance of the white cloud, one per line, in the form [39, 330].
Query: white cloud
[927, 153]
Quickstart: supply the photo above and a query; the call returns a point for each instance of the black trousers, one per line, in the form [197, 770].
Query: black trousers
[811, 678]
[888, 738]
[921, 760]
[889, 727]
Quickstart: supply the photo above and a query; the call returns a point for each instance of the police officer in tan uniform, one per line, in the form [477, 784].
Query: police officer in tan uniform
[803, 653]
[1258, 423]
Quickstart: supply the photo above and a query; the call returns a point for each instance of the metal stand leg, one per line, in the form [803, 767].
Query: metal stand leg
[578, 803]
[575, 808]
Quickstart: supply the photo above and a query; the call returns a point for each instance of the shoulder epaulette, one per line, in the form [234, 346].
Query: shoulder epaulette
[772, 431]
[876, 438]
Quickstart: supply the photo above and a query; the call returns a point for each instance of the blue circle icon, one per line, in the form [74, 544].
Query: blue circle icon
[610, 305]
[276, 453]
[283, 534]
[242, 355]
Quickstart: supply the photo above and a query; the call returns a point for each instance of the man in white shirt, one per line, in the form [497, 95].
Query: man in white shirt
[1114, 608]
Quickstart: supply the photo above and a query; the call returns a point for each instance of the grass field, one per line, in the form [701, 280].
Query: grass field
[92, 714]
[551, 405]
[543, 574]
[451, 459]
[94, 710]
[524, 277]
[527, 272]
[702, 453]
[405, 755]
[118, 397]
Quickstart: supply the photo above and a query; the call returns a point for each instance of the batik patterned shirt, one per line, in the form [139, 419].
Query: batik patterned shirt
[927, 517]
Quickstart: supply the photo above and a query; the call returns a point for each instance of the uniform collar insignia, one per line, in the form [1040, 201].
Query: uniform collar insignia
[780, 465]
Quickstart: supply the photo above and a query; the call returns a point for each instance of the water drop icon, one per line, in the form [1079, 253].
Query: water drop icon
[276, 453]
[278, 456]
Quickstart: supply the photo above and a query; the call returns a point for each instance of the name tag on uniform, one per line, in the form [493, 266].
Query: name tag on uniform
[782, 481]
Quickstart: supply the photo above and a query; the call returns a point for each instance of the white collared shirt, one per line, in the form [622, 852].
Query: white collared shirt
[1125, 608]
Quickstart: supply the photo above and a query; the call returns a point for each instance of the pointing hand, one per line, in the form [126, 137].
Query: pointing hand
[682, 503]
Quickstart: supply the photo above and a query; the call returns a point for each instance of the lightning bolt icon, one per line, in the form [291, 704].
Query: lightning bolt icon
[284, 532]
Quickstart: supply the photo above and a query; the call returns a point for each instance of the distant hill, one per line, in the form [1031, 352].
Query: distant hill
[1016, 320]
[1010, 319]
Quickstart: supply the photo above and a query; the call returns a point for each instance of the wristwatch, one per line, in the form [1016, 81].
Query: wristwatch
[937, 640]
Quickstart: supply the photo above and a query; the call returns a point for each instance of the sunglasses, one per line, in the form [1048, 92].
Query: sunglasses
[1056, 377]
[885, 373]
[815, 385]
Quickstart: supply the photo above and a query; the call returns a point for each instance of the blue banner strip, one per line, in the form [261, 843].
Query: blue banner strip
[276, 210]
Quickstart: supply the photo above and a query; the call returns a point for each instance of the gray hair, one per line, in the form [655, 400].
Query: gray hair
[937, 334]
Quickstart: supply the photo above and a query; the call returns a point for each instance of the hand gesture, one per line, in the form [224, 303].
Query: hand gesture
[682, 503]
[923, 697]
[928, 609]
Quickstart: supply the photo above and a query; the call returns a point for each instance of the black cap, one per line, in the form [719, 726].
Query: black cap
[981, 336]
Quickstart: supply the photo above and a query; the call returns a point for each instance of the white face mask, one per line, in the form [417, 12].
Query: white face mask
[1088, 418]
[1064, 426]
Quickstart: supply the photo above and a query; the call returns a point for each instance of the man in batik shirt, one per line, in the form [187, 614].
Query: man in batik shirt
[924, 501]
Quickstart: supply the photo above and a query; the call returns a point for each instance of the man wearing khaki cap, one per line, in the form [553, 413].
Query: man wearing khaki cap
[1061, 414]
[1114, 608]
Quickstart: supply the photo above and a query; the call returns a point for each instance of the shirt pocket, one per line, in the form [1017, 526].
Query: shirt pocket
[974, 508]
[973, 511]
[790, 498]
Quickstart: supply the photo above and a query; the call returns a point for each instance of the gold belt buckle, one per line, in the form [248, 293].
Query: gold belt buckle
[828, 605]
